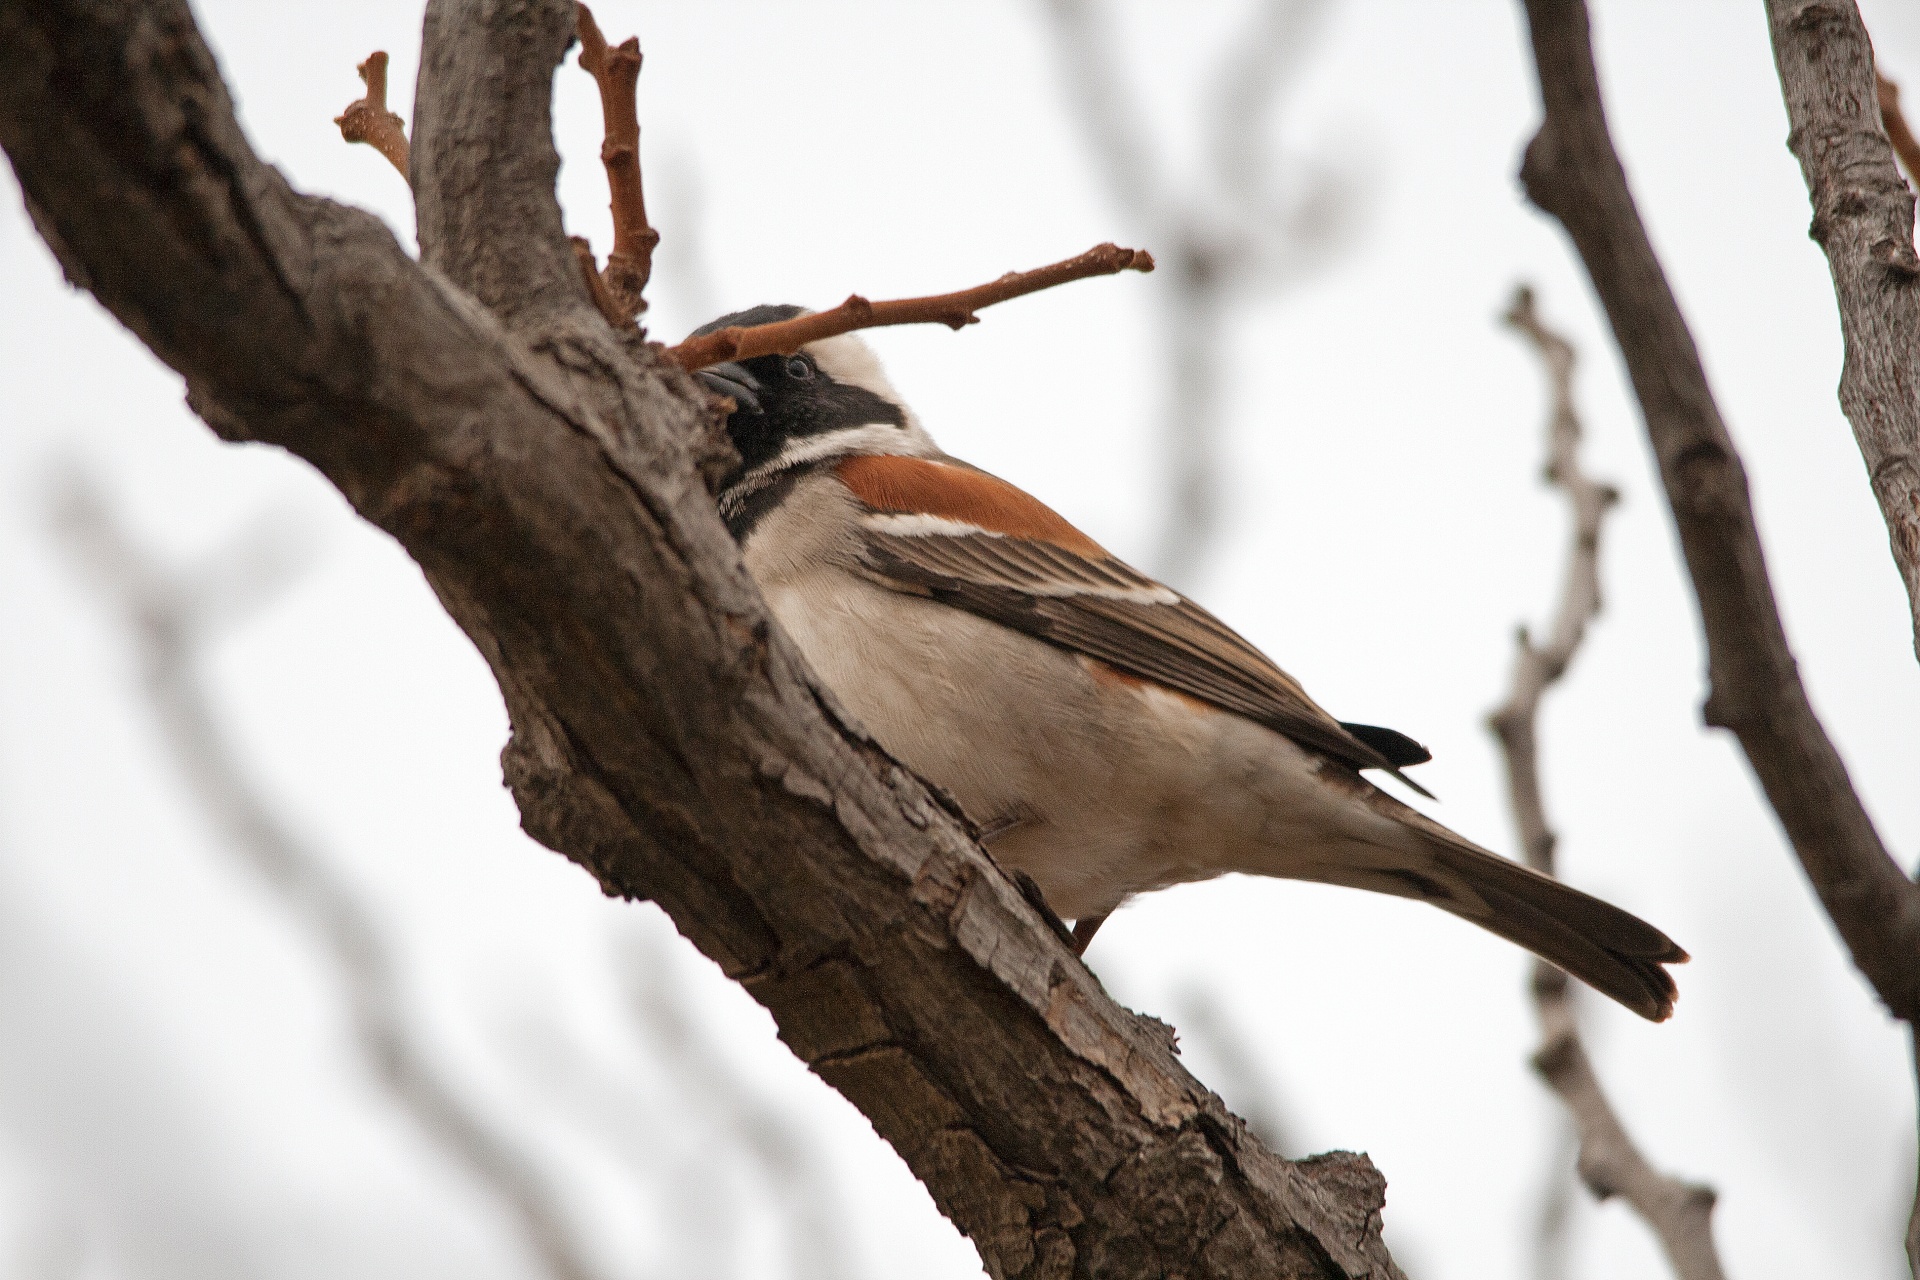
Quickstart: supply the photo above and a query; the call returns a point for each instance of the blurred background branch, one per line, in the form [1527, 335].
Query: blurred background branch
[1680, 1213]
[175, 618]
[1253, 220]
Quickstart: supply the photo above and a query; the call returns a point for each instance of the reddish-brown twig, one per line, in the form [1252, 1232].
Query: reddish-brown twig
[616, 70]
[1905, 145]
[368, 119]
[955, 310]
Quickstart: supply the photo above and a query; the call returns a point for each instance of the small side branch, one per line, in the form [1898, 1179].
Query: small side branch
[616, 70]
[368, 119]
[1905, 145]
[955, 310]
[1679, 1213]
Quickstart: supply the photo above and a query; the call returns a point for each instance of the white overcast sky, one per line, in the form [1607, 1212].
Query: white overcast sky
[178, 1088]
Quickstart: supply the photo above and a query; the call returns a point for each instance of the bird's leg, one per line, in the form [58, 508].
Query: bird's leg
[1084, 929]
[1030, 890]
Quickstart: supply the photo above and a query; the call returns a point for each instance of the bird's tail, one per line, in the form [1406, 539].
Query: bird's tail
[1612, 951]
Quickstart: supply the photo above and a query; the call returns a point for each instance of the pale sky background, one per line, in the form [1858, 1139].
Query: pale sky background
[179, 1092]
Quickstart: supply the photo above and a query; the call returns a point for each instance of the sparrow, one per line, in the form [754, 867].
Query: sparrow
[1108, 736]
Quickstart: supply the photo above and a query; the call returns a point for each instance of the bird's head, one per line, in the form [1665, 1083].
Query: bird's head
[828, 400]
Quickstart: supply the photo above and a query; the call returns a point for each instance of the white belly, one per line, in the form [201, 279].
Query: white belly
[1111, 788]
[1099, 787]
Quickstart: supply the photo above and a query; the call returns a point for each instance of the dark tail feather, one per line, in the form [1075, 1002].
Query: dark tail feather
[1612, 951]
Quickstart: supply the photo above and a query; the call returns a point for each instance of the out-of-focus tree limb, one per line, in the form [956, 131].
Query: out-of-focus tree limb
[816, 1222]
[1572, 172]
[175, 619]
[1252, 222]
[551, 479]
[1863, 219]
[1679, 1213]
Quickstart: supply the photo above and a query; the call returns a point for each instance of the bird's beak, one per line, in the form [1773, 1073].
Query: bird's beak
[732, 379]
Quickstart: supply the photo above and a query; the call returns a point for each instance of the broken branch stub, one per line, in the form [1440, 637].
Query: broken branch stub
[368, 120]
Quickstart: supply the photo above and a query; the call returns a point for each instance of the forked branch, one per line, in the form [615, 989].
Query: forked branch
[1679, 1213]
[955, 310]
[368, 120]
[616, 70]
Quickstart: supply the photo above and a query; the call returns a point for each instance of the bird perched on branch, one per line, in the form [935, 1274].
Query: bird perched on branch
[1110, 736]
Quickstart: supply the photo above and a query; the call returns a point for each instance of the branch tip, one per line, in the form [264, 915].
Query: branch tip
[955, 310]
[368, 120]
[616, 70]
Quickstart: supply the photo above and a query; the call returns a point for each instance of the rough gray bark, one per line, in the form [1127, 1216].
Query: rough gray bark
[1863, 219]
[549, 480]
[1572, 172]
[1679, 1213]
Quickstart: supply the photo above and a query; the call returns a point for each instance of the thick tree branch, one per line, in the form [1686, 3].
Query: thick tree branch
[1679, 1213]
[1572, 172]
[1863, 219]
[547, 476]
[616, 71]
[955, 310]
[368, 120]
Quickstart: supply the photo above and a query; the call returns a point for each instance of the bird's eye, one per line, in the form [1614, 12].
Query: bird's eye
[799, 369]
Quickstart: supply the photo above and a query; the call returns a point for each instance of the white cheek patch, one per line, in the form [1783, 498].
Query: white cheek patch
[874, 437]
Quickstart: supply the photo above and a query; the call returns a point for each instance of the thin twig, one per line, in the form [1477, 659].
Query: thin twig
[1679, 1213]
[818, 1245]
[175, 618]
[955, 310]
[1905, 145]
[368, 120]
[616, 70]
[1256, 220]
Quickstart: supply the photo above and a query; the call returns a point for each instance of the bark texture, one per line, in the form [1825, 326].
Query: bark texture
[1863, 219]
[551, 479]
[1572, 172]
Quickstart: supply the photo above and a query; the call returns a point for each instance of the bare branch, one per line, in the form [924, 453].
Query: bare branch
[1253, 221]
[1572, 172]
[368, 120]
[1863, 219]
[547, 475]
[955, 310]
[167, 615]
[1679, 1213]
[815, 1217]
[617, 73]
[1553, 1220]
[1894, 121]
